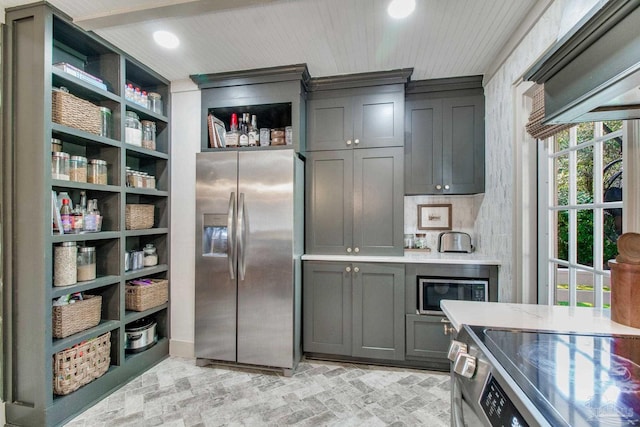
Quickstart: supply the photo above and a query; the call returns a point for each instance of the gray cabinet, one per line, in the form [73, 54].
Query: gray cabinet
[444, 145]
[38, 37]
[354, 201]
[426, 338]
[354, 309]
[378, 309]
[361, 121]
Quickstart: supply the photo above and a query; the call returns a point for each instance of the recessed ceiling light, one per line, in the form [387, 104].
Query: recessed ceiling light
[166, 39]
[399, 9]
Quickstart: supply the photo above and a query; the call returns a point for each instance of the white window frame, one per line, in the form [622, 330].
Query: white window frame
[547, 210]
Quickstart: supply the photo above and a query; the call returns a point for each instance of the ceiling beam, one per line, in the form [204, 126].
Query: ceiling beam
[161, 10]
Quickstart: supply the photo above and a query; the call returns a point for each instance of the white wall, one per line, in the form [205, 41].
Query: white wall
[494, 226]
[185, 143]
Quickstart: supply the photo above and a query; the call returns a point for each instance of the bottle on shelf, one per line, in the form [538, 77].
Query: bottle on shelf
[244, 135]
[254, 132]
[66, 216]
[232, 137]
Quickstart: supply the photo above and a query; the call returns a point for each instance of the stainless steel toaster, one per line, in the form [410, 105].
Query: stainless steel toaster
[454, 241]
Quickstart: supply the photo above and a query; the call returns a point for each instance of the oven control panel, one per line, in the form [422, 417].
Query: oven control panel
[498, 408]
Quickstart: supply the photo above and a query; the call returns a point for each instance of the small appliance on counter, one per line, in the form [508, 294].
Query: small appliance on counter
[140, 335]
[454, 241]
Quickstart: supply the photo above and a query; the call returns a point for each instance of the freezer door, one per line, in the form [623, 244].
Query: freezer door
[265, 258]
[215, 287]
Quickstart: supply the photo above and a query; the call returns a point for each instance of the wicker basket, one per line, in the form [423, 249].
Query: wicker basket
[79, 365]
[69, 110]
[144, 297]
[138, 217]
[72, 318]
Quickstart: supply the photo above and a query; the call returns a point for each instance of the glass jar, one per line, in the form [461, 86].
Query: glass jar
[64, 264]
[150, 255]
[86, 263]
[409, 242]
[56, 145]
[105, 122]
[155, 102]
[133, 129]
[149, 134]
[60, 165]
[97, 172]
[421, 241]
[151, 181]
[78, 169]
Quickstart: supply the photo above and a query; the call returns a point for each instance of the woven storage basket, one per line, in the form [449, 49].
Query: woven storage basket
[69, 110]
[71, 318]
[144, 297]
[79, 365]
[138, 217]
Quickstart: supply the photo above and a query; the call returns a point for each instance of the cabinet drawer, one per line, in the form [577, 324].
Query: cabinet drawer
[425, 337]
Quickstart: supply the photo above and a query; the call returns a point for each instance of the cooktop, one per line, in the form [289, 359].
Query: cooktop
[573, 379]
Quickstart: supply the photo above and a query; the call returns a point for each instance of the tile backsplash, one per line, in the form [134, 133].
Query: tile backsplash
[464, 210]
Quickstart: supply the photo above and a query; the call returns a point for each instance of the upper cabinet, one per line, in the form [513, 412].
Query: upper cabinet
[364, 121]
[444, 139]
[356, 111]
[276, 96]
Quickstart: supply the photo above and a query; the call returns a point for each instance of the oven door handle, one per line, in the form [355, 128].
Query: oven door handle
[457, 417]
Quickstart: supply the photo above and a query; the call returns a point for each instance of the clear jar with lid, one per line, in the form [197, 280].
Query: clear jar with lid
[56, 145]
[421, 241]
[133, 129]
[155, 102]
[151, 181]
[60, 165]
[78, 169]
[149, 134]
[150, 255]
[97, 172]
[105, 122]
[86, 263]
[64, 264]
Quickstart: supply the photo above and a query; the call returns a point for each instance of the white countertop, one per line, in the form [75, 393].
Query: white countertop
[411, 258]
[531, 316]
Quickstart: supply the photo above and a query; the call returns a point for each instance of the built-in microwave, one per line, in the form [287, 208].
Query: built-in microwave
[431, 290]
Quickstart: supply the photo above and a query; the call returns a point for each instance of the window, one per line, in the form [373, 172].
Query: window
[583, 211]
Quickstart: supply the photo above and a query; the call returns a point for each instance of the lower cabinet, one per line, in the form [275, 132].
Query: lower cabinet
[354, 309]
[426, 337]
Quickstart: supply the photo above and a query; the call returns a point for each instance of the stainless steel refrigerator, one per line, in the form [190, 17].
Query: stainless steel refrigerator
[249, 240]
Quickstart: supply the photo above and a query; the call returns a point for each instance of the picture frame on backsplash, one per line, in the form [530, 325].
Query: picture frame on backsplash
[434, 217]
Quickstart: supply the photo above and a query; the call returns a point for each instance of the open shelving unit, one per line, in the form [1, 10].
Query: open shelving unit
[38, 37]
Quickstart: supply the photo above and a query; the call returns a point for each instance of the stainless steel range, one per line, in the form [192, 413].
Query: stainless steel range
[503, 377]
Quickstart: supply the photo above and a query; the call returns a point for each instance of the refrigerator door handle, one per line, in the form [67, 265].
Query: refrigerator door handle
[231, 245]
[242, 229]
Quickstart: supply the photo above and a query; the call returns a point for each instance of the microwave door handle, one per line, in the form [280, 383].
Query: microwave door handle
[231, 245]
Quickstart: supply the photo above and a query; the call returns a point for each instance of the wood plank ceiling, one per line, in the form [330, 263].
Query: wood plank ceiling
[443, 38]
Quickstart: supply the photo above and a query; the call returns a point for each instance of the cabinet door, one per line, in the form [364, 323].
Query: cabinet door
[326, 308]
[463, 144]
[329, 202]
[426, 338]
[330, 124]
[423, 147]
[379, 120]
[378, 311]
[378, 195]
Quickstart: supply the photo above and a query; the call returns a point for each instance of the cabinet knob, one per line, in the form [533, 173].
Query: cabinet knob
[357, 141]
[356, 250]
[438, 187]
[349, 250]
[446, 187]
[348, 142]
[356, 269]
[348, 269]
